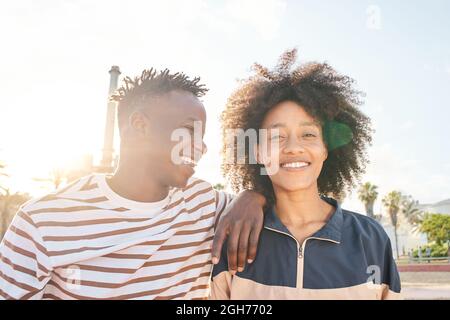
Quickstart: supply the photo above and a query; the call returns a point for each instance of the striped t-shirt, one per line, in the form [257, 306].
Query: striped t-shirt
[86, 242]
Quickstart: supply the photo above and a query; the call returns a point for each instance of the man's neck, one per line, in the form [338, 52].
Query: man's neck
[134, 181]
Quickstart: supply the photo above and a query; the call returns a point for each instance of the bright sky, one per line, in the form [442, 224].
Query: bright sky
[56, 55]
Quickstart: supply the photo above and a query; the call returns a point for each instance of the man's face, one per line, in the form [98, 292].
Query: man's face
[169, 136]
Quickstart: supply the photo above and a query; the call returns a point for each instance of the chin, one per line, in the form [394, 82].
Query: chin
[180, 181]
[178, 176]
[293, 186]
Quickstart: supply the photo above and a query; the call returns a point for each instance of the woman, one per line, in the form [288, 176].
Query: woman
[312, 148]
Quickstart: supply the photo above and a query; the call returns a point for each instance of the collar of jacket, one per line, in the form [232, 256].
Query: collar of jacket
[331, 231]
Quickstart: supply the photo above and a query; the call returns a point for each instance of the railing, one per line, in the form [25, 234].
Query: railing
[429, 259]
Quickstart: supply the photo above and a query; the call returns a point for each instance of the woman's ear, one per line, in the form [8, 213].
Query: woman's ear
[325, 149]
[256, 156]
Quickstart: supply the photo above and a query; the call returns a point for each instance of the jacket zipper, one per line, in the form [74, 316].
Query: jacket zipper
[300, 253]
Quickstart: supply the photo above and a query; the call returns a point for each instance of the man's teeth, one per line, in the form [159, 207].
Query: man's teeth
[295, 165]
[187, 160]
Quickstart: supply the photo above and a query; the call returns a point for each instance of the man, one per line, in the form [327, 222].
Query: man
[146, 231]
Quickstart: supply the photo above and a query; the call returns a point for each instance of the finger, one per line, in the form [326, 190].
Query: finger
[219, 238]
[253, 242]
[233, 242]
[243, 246]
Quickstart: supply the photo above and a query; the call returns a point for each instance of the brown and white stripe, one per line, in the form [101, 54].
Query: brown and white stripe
[85, 242]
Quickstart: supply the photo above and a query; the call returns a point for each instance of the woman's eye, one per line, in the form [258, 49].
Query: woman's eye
[309, 135]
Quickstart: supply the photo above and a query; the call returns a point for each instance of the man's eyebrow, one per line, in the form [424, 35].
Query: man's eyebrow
[190, 119]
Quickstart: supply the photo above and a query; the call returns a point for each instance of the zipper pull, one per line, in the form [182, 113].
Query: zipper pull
[300, 252]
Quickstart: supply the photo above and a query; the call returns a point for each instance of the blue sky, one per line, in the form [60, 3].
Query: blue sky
[56, 54]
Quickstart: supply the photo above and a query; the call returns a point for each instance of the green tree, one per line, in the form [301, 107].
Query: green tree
[392, 201]
[437, 227]
[368, 193]
[219, 186]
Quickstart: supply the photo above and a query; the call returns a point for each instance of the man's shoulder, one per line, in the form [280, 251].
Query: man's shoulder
[196, 181]
[197, 189]
[72, 191]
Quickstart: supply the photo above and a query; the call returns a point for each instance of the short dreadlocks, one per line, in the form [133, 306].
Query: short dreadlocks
[153, 83]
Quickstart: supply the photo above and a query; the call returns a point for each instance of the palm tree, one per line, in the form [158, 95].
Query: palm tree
[10, 201]
[59, 176]
[392, 201]
[4, 192]
[411, 211]
[56, 177]
[368, 193]
[2, 167]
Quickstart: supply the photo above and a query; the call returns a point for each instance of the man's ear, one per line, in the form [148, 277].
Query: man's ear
[138, 123]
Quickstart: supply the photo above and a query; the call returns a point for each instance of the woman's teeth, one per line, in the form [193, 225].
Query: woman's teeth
[295, 165]
[188, 161]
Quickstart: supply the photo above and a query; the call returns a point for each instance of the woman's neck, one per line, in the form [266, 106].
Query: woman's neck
[301, 207]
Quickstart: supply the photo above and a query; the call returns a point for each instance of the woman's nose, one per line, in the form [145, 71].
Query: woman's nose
[293, 145]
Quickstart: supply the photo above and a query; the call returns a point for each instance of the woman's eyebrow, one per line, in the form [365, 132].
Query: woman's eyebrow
[277, 125]
[309, 124]
[301, 124]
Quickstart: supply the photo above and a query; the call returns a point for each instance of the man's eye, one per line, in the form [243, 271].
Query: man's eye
[191, 129]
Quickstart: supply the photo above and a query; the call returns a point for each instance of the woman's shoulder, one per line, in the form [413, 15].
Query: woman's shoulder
[366, 227]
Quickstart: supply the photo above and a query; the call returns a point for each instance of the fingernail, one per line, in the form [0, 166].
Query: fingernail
[240, 269]
[250, 260]
[215, 260]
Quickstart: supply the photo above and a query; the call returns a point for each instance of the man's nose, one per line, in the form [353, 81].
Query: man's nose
[200, 149]
[204, 148]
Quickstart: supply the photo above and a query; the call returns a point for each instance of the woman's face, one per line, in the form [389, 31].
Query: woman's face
[295, 150]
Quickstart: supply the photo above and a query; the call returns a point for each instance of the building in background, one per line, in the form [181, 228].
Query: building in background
[109, 159]
[408, 238]
[442, 207]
